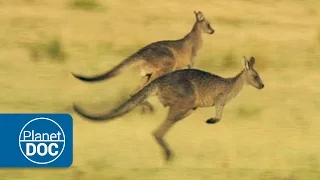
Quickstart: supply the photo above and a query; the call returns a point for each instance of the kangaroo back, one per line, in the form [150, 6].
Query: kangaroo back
[124, 108]
[111, 73]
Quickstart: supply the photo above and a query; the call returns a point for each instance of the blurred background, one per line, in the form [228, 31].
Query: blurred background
[268, 134]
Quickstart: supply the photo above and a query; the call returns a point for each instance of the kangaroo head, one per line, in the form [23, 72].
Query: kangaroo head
[251, 75]
[204, 24]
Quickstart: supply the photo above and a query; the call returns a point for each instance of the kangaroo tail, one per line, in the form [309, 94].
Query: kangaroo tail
[111, 73]
[122, 109]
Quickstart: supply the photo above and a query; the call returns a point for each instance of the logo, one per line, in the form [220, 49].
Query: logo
[42, 145]
[36, 140]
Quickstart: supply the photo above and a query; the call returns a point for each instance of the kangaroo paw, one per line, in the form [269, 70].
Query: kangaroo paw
[146, 108]
[212, 121]
[168, 155]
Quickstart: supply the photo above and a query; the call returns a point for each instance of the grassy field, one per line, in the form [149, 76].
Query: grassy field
[268, 134]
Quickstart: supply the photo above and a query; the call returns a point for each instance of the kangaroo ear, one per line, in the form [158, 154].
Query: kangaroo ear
[195, 13]
[246, 64]
[252, 60]
[199, 16]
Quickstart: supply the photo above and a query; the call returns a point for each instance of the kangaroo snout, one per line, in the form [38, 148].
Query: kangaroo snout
[261, 86]
[212, 31]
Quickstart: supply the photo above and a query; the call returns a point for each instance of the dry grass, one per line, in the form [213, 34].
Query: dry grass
[267, 134]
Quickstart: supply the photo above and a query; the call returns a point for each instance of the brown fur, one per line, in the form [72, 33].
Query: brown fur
[184, 91]
[162, 57]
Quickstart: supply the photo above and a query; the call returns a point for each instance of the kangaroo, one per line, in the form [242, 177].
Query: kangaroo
[184, 91]
[161, 57]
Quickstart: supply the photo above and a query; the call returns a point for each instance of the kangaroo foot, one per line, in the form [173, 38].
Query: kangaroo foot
[168, 155]
[212, 121]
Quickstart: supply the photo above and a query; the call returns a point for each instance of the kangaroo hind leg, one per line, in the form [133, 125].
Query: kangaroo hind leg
[143, 82]
[175, 114]
[146, 106]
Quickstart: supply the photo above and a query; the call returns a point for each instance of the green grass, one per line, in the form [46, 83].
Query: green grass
[51, 49]
[54, 49]
[88, 5]
[248, 111]
[168, 173]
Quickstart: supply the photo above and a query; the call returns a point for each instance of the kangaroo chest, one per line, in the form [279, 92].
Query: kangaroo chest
[185, 57]
[204, 98]
[210, 97]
